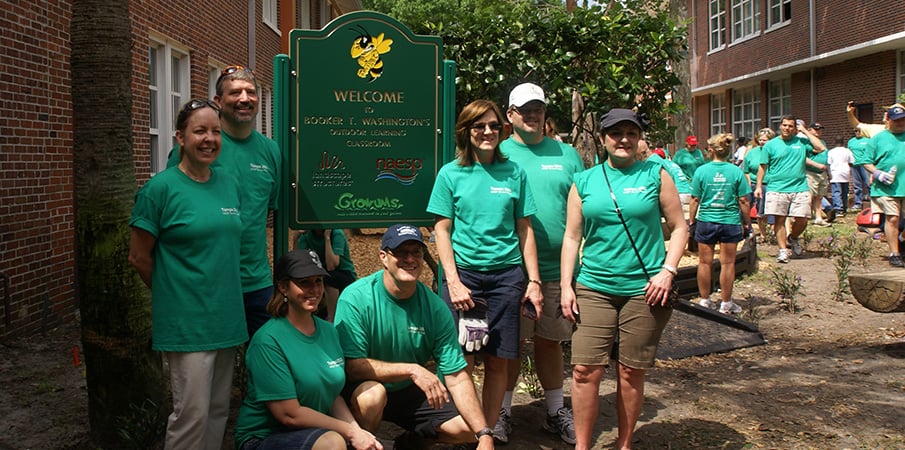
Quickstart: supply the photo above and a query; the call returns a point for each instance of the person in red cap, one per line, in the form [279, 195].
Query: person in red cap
[690, 157]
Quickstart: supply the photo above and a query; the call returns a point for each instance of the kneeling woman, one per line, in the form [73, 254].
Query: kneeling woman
[296, 370]
[624, 278]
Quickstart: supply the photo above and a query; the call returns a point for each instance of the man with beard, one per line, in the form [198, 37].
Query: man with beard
[254, 160]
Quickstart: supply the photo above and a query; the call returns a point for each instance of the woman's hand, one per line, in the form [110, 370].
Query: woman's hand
[459, 295]
[363, 440]
[534, 295]
[568, 303]
[656, 291]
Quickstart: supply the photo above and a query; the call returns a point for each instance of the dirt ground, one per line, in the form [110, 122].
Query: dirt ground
[831, 376]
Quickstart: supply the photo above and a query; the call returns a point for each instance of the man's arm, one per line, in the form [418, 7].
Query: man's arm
[389, 372]
[466, 399]
[850, 115]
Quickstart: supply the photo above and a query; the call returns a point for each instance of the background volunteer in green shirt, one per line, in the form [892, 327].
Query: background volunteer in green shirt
[750, 166]
[485, 239]
[690, 157]
[333, 249]
[613, 291]
[818, 179]
[719, 208]
[254, 160]
[860, 178]
[296, 370]
[186, 228]
[549, 165]
[887, 166]
[390, 326]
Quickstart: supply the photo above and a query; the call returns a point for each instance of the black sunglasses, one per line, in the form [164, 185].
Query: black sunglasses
[481, 126]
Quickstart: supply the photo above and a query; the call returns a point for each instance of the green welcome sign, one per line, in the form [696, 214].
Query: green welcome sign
[365, 105]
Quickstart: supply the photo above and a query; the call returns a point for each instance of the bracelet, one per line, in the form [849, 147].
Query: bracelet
[483, 432]
[535, 281]
[671, 269]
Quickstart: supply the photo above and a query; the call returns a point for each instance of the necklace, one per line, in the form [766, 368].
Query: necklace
[202, 179]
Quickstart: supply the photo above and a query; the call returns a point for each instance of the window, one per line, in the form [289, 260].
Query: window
[213, 73]
[780, 12]
[270, 16]
[780, 101]
[717, 24]
[745, 19]
[168, 69]
[717, 113]
[900, 77]
[265, 112]
[746, 111]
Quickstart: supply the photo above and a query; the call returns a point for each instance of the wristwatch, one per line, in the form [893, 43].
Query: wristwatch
[483, 432]
[671, 269]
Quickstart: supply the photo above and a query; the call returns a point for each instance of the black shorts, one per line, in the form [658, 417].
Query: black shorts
[408, 408]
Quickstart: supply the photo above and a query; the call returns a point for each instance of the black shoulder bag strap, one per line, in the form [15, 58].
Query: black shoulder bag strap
[622, 219]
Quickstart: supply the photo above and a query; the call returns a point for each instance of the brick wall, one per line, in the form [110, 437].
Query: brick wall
[36, 215]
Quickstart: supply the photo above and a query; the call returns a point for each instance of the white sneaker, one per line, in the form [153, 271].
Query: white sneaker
[705, 302]
[795, 246]
[783, 256]
[730, 308]
[821, 223]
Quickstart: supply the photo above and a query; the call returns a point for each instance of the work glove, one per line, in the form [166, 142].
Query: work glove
[473, 330]
[884, 177]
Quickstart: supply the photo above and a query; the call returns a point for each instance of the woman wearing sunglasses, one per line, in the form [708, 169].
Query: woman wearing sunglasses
[186, 230]
[296, 370]
[486, 243]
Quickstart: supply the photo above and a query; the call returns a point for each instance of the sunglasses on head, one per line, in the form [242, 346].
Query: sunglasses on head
[198, 103]
[229, 70]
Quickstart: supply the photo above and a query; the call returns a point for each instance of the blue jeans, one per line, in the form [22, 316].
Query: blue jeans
[840, 196]
[862, 186]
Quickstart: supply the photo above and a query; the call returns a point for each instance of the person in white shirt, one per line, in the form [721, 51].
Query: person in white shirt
[840, 160]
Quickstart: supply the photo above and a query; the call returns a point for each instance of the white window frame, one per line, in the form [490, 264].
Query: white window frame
[173, 88]
[779, 12]
[900, 76]
[213, 74]
[746, 111]
[716, 25]
[717, 113]
[270, 15]
[745, 19]
[780, 101]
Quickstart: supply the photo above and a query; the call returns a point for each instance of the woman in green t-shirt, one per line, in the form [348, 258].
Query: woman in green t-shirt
[625, 273]
[296, 370]
[719, 208]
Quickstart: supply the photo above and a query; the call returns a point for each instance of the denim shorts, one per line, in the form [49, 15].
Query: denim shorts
[503, 289]
[302, 439]
[711, 233]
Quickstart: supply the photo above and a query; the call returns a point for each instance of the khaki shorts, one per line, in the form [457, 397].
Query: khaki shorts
[551, 325]
[817, 184]
[789, 204]
[639, 327]
[891, 206]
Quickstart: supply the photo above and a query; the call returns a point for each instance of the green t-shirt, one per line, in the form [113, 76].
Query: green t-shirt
[284, 363]
[858, 146]
[339, 243]
[718, 185]
[886, 151]
[255, 162]
[374, 324]
[608, 261]
[689, 161]
[484, 203]
[785, 164]
[549, 166]
[675, 172]
[819, 158]
[196, 295]
[751, 162]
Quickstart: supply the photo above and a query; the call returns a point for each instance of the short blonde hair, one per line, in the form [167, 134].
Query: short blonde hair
[721, 144]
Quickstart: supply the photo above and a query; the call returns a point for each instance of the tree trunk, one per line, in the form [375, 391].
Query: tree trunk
[683, 121]
[882, 292]
[126, 388]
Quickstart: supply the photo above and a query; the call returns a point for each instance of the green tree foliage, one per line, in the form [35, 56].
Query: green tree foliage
[614, 57]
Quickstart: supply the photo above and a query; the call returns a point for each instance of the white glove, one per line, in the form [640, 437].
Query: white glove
[884, 177]
[473, 330]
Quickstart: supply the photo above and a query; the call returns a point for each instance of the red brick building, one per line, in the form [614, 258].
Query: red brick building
[754, 60]
[179, 49]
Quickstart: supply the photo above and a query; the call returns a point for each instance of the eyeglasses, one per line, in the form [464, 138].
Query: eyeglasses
[481, 126]
[529, 110]
[402, 254]
[233, 69]
[198, 103]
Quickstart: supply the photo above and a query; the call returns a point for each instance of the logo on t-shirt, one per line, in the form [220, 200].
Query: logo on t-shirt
[338, 362]
[634, 190]
[229, 211]
[258, 167]
[416, 330]
[557, 167]
[719, 178]
[500, 190]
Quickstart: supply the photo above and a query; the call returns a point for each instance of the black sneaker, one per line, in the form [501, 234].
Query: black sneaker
[896, 261]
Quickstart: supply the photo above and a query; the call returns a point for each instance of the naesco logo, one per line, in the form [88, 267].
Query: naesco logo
[348, 202]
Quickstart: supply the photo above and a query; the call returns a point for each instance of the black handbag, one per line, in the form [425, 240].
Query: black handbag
[672, 298]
